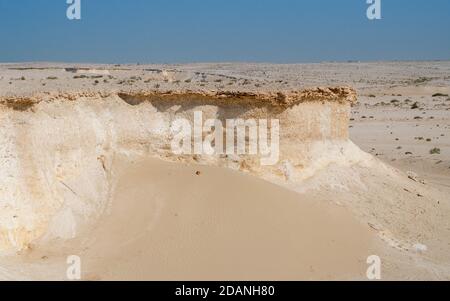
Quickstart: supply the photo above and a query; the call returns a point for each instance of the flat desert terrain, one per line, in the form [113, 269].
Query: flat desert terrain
[85, 170]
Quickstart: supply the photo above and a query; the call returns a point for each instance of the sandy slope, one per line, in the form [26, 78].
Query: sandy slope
[167, 222]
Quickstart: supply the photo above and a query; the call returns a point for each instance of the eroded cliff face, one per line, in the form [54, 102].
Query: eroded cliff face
[58, 151]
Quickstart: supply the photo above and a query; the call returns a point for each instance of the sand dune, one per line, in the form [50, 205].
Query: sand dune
[219, 225]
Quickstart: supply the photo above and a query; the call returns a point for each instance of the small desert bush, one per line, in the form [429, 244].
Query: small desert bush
[440, 95]
[422, 80]
[435, 151]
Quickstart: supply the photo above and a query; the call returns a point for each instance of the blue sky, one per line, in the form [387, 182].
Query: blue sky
[176, 31]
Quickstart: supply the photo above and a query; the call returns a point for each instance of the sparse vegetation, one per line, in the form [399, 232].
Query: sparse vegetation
[435, 151]
[440, 95]
[246, 82]
[421, 80]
